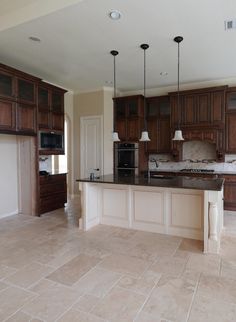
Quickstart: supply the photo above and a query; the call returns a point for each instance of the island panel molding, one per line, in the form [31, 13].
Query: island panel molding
[156, 209]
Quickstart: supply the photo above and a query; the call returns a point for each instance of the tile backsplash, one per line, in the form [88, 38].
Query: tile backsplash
[196, 155]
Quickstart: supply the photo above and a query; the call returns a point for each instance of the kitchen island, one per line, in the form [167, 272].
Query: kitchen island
[181, 206]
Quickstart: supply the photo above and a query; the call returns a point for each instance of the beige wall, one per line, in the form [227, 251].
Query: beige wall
[107, 131]
[85, 104]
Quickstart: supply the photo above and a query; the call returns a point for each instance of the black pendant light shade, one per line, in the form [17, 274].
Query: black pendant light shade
[178, 133]
[114, 53]
[144, 135]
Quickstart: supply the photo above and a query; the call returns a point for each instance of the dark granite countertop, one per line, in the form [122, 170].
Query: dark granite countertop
[182, 182]
[216, 172]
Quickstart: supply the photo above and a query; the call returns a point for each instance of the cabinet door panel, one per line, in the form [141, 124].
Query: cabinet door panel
[133, 129]
[44, 119]
[153, 135]
[7, 88]
[7, 115]
[231, 101]
[43, 98]
[189, 109]
[57, 101]
[231, 133]
[26, 91]
[26, 118]
[164, 135]
[176, 115]
[120, 127]
[218, 107]
[204, 108]
[57, 121]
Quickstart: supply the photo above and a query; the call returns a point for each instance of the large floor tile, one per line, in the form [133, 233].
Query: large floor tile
[72, 271]
[209, 264]
[29, 275]
[119, 305]
[169, 265]
[171, 300]
[11, 300]
[208, 309]
[97, 282]
[220, 288]
[125, 264]
[78, 316]
[86, 303]
[51, 303]
[142, 285]
[22, 317]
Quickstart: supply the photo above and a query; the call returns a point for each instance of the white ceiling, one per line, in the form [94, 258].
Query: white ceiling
[76, 41]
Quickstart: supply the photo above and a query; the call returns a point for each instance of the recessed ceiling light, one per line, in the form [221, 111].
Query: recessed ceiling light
[36, 39]
[163, 73]
[115, 14]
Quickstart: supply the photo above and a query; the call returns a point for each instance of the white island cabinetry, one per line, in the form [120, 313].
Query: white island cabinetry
[190, 213]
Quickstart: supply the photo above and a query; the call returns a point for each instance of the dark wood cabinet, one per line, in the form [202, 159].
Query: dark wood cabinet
[18, 103]
[230, 120]
[26, 118]
[229, 192]
[50, 107]
[129, 117]
[52, 192]
[199, 108]
[158, 123]
[7, 115]
[26, 91]
[231, 132]
[7, 85]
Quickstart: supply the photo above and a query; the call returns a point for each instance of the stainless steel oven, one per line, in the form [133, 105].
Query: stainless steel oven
[126, 159]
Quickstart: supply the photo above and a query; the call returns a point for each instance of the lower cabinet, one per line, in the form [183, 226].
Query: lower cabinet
[229, 192]
[52, 192]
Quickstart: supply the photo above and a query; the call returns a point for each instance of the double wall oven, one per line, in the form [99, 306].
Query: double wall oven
[126, 159]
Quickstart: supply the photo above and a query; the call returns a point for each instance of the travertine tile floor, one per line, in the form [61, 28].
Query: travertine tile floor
[52, 271]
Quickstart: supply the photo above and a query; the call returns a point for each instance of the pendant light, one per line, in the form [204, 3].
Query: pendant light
[115, 135]
[178, 133]
[144, 135]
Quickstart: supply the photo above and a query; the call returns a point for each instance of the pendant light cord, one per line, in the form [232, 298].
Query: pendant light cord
[178, 100]
[114, 80]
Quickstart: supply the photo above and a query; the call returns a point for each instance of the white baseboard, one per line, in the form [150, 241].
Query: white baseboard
[16, 212]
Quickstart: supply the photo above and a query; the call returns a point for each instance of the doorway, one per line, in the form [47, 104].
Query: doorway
[91, 146]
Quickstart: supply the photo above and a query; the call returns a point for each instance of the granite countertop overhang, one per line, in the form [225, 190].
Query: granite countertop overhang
[179, 182]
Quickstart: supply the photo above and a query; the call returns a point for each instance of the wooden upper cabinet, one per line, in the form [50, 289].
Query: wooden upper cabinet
[231, 132]
[43, 98]
[7, 115]
[26, 91]
[57, 101]
[26, 118]
[231, 100]
[50, 107]
[199, 108]
[218, 107]
[128, 117]
[158, 123]
[189, 109]
[204, 108]
[7, 85]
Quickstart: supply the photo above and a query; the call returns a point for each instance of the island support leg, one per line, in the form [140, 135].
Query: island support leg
[213, 242]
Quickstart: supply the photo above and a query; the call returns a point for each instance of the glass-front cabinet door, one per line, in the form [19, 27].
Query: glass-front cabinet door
[26, 91]
[7, 88]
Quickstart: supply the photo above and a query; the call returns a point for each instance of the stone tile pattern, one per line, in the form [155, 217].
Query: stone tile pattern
[52, 271]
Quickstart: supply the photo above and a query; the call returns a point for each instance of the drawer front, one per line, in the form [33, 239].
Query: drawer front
[52, 179]
[52, 203]
[52, 188]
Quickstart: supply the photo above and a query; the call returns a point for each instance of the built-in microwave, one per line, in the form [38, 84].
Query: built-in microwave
[51, 141]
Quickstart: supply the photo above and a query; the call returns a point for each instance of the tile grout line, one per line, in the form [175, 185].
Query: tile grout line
[193, 298]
